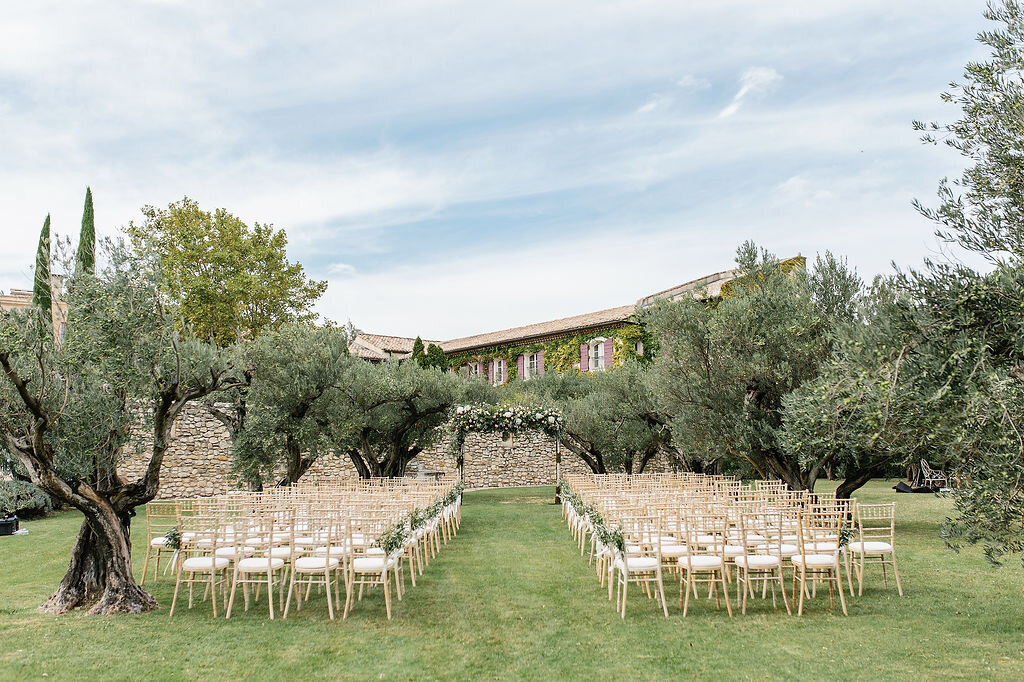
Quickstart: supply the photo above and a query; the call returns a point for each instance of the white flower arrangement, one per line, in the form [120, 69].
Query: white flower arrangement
[504, 419]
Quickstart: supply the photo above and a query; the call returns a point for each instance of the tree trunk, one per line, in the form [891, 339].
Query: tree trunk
[100, 571]
[855, 481]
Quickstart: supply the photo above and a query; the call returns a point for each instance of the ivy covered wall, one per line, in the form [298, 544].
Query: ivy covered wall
[563, 355]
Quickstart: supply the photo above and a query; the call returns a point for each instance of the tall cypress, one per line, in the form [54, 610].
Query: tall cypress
[42, 295]
[85, 261]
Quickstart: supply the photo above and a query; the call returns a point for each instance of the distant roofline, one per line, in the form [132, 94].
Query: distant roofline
[561, 326]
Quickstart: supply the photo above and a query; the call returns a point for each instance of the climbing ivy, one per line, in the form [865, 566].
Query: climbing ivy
[562, 355]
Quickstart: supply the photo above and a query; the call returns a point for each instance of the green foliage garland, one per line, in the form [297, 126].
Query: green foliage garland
[501, 419]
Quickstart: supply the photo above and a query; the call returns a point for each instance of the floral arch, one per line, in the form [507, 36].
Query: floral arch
[507, 420]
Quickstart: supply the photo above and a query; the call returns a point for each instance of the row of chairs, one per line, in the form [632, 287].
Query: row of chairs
[288, 541]
[711, 531]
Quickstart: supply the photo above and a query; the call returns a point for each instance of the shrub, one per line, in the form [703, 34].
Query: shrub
[23, 499]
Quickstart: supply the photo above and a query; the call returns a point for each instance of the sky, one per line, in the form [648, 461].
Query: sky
[457, 167]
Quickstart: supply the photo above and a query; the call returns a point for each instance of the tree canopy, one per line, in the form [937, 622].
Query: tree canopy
[229, 281]
[67, 411]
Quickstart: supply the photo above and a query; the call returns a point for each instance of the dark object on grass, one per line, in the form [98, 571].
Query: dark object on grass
[902, 487]
[9, 525]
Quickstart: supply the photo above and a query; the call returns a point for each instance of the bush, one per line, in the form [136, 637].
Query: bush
[23, 499]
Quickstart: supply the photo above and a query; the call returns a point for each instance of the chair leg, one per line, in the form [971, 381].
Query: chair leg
[327, 584]
[231, 600]
[270, 592]
[387, 595]
[177, 584]
[625, 591]
[213, 590]
[842, 599]
[725, 593]
[896, 574]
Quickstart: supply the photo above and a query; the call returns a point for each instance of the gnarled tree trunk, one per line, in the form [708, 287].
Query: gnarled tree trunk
[100, 571]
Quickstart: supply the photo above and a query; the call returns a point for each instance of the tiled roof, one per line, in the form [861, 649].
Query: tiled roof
[390, 344]
[541, 329]
[709, 285]
[360, 351]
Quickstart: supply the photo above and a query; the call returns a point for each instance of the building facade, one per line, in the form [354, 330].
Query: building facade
[590, 342]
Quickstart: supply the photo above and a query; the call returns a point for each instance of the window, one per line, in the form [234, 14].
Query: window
[499, 371]
[597, 355]
[474, 369]
[639, 348]
[531, 365]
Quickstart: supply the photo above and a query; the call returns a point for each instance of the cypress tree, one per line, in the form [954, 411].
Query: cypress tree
[418, 352]
[42, 295]
[85, 260]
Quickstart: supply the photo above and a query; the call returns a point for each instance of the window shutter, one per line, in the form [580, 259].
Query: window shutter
[521, 366]
[540, 363]
[609, 348]
[584, 357]
[490, 372]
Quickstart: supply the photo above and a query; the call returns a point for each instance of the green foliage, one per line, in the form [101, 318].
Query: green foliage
[295, 407]
[22, 499]
[436, 357]
[725, 367]
[419, 355]
[612, 420]
[85, 260]
[229, 281]
[173, 537]
[397, 410]
[503, 419]
[394, 537]
[42, 294]
[563, 355]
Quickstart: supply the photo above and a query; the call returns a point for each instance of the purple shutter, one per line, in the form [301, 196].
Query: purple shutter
[480, 371]
[584, 358]
[521, 366]
[490, 372]
[540, 363]
[466, 371]
[609, 348]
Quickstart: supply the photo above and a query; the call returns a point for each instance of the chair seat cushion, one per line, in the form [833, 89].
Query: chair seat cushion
[869, 547]
[372, 564]
[315, 563]
[758, 561]
[673, 550]
[259, 564]
[375, 551]
[158, 542]
[204, 563]
[279, 552]
[234, 552]
[700, 561]
[734, 550]
[333, 550]
[814, 560]
[637, 564]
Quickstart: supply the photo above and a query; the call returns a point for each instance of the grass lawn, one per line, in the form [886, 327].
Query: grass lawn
[511, 598]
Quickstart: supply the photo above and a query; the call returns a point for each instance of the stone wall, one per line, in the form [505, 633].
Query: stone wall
[198, 461]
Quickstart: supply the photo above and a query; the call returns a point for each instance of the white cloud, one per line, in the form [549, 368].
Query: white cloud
[754, 80]
[691, 82]
[341, 269]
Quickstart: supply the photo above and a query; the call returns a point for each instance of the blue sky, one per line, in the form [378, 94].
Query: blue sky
[459, 167]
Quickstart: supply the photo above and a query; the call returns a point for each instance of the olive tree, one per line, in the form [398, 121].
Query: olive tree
[727, 363]
[611, 418]
[68, 410]
[294, 412]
